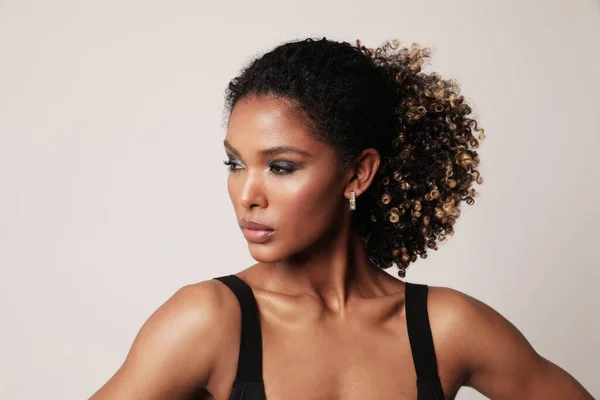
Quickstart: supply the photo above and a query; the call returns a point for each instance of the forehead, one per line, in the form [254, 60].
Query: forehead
[259, 123]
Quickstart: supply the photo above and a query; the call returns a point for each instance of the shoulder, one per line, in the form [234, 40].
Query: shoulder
[488, 347]
[452, 309]
[206, 312]
[469, 322]
[202, 302]
[194, 308]
[178, 347]
[452, 317]
[202, 312]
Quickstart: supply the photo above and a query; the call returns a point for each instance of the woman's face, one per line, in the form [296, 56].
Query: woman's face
[281, 177]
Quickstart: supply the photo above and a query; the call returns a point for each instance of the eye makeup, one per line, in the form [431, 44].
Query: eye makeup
[231, 165]
[278, 167]
[281, 167]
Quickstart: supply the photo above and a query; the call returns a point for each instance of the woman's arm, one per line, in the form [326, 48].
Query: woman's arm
[174, 353]
[500, 363]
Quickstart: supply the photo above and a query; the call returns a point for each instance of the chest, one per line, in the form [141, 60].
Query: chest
[338, 362]
[343, 370]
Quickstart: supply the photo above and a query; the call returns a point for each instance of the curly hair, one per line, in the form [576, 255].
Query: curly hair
[356, 97]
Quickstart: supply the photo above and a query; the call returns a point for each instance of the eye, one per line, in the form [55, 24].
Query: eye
[281, 168]
[231, 166]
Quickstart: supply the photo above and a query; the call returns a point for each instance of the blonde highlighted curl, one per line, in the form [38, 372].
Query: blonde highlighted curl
[434, 165]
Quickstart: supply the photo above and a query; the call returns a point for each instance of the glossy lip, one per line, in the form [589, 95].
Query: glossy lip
[254, 225]
[255, 232]
[254, 236]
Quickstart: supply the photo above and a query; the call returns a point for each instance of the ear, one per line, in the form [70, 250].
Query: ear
[362, 171]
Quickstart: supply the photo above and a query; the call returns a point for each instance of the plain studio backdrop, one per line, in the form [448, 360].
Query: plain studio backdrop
[113, 192]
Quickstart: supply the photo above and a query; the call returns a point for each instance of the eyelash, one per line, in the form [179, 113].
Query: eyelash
[285, 170]
[229, 164]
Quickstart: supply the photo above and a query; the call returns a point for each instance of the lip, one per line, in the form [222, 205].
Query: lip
[254, 225]
[255, 236]
[256, 232]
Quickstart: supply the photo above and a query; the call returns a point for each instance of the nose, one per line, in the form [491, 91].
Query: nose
[253, 191]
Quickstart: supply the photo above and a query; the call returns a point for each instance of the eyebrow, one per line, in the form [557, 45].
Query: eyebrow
[272, 151]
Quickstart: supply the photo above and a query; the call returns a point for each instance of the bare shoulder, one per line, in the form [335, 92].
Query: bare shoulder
[470, 324]
[494, 355]
[208, 308]
[451, 310]
[452, 314]
[178, 347]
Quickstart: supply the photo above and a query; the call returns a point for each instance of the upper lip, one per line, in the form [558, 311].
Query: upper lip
[255, 225]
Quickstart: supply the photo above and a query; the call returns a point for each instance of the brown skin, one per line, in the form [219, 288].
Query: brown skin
[333, 324]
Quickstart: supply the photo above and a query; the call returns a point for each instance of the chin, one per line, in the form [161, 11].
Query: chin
[265, 253]
[271, 253]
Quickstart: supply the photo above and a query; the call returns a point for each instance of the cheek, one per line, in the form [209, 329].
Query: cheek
[306, 207]
[234, 191]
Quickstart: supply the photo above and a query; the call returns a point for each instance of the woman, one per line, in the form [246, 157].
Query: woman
[343, 162]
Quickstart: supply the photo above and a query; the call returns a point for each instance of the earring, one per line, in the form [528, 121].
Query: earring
[352, 200]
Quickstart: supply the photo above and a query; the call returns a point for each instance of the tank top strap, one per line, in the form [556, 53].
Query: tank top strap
[250, 355]
[419, 332]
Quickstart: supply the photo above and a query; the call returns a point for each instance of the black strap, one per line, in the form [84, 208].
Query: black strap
[419, 332]
[250, 356]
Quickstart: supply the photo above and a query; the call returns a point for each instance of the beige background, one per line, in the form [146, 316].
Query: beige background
[113, 192]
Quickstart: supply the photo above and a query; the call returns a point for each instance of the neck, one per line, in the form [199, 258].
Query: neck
[334, 271]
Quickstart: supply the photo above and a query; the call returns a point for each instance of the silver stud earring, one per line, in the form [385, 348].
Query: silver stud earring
[352, 200]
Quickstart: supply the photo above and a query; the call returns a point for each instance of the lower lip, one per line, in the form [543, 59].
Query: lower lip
[256, 236]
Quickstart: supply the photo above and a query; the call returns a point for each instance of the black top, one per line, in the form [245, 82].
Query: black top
[248, 384]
